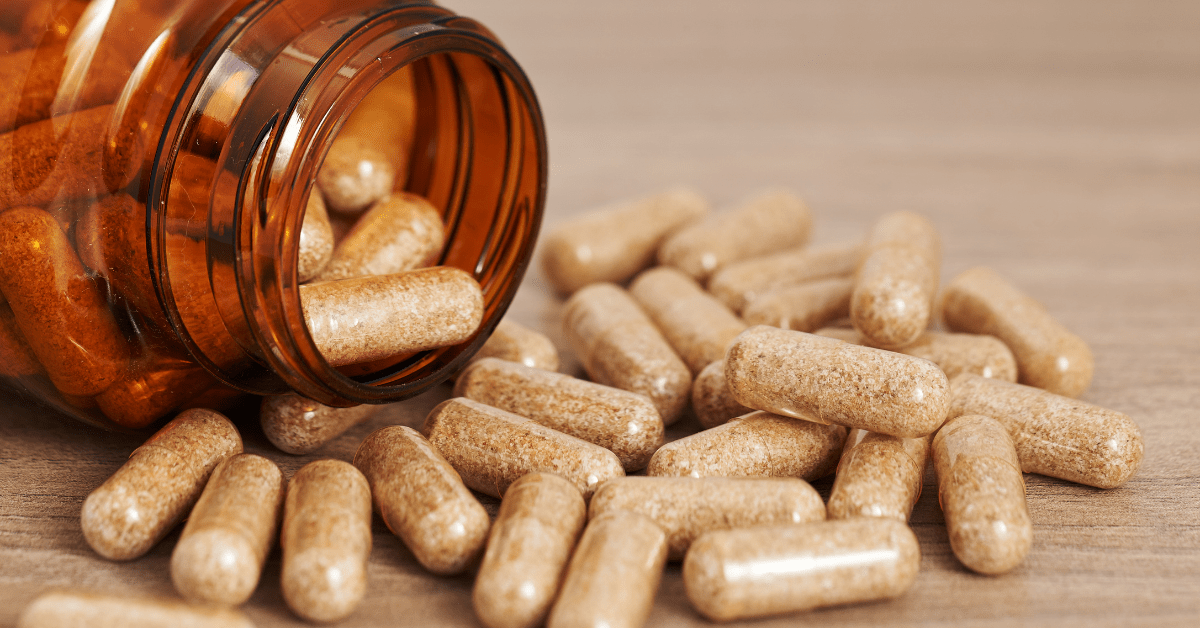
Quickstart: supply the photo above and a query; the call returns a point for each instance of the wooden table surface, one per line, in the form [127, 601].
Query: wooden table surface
[1058, 143]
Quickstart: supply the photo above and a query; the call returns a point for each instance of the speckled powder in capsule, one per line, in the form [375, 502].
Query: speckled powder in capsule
[326, 539]
[737, 284]
[697, 325]
[1055, 435]
[897, 281]
[758, 444]
[398, 233]
[982, 494]
[76, 609]
[766, 223]
[613, 575]
[686, 507]
[355, 174]
[221, 552]
[316, 239]
[422, 499]
[878, 476]
[619, 346]
[711, 400]
[803, 307]
[613, 244]
[515, 342]
[491, 448]
[954, 353]
[1048, 355]
[769, 570]
[153, 490]
[821, 379]
[622, 422]
[372, 318]
[531, 541]
[298, 425]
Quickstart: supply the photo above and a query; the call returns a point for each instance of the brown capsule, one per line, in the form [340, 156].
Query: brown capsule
[898, 279]
[622, 422]
[59, 309]
[316, 239]
[371, 318]
[697, 325]
[111, 240]
[1048, 355]
[69, 609]
[878, 476]
[769, 570]
[400, 232]
[37, 77]
[491, 448]
[982, 494]
[738, 284]
[619, 346]
[825, 380]
[422, 499]
[223, 547]
[515, 342]
[539, 521]
[803, 307]
[613, 244]
[355, 174]
[954, 353]
[686, 508]
[153, 490]
[1055, 435]
[298, 425]
[326, 539]
[16, 357]
[711, 400]
[152, 386]
[613, 575]
[766, 223]
[758, 444]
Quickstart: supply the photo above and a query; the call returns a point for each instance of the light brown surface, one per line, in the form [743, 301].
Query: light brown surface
[1056, 143]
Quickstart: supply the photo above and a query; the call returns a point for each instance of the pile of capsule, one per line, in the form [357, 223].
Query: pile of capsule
[724, 324]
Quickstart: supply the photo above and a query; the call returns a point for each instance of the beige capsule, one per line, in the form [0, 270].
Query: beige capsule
[758, 444]
[1055, 435]
[316, 239]
[711, 400]
[613, 575]
[982, 494]
[770, 570]
[1048, 355]
[531, 541]
[619, 346]
[386, 119]
[372, 318]
[897, 281]
[326, 539]
[622, 422]
[738, 284]
[697, 325]
[820, 379]
[954, 353]
[422, 499]
[768, 222]
[803, 307]
[878, 476]
[491, 448]
[221, 552]
[515, 342]
[398, 233]
[72, 609]
[686, 507]
[298, 425]
[613, 244]
[355, 174]
[153, 490]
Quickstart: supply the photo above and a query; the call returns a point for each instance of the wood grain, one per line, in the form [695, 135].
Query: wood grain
[1058, 143]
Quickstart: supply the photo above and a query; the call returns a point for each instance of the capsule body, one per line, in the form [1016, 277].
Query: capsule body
[153, 490]
[316, 239]
[65, 609]
[768, 570]
[711, 400]
[622, 422]
[422, 500]
[742, 282]
[16, 357]
[685, 507]
[954, 353]
[398, 233]
[898, 279]
[1055, 435]
[299, 425]
[878, 476]
[697, 325]
[491, 448]
[825, 380]
[803, 307]
[355, 174]
[515, 342]
[982, 494]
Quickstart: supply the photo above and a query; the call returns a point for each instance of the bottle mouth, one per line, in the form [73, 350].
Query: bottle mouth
[255, 123]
